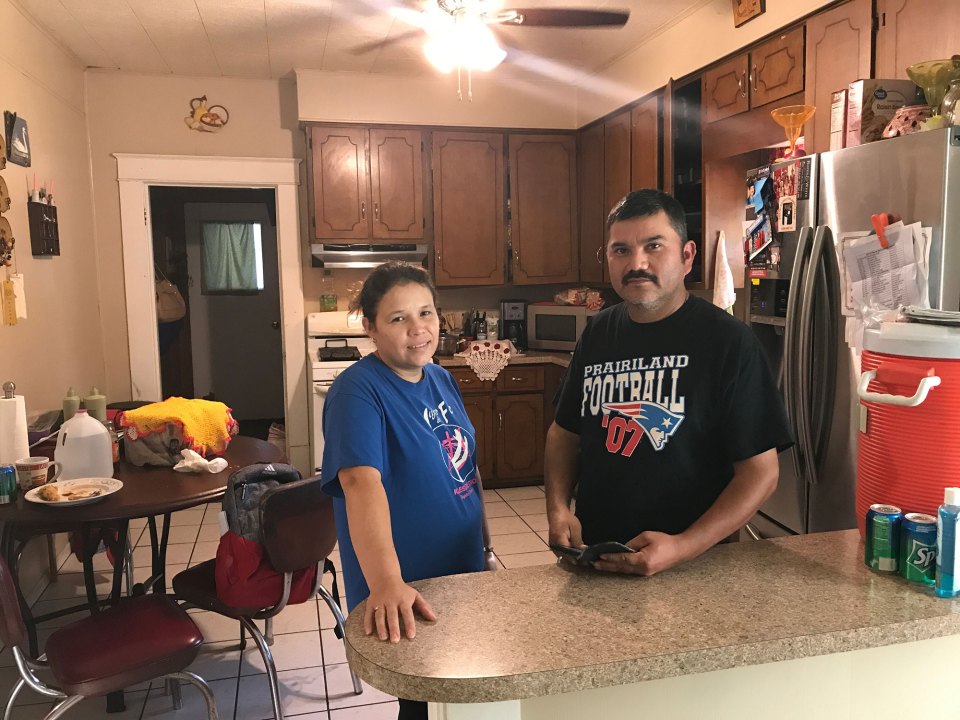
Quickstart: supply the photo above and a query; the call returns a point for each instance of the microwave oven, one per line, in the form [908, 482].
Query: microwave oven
[556, 327]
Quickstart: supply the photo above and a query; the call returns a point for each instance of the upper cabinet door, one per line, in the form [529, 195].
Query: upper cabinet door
[911, 31]
[645, 144]
[396, 180]
[543, 195]
[592, 215]
[838, 53]
[725, 89]
[616, 165]
[776, 68]
[468, 208]
[341, 186]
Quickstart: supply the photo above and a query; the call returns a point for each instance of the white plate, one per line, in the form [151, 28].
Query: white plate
[101, 486]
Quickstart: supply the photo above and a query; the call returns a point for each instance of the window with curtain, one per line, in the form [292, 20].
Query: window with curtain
[232, 258]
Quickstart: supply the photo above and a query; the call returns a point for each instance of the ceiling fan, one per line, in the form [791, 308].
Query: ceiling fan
[459, 35]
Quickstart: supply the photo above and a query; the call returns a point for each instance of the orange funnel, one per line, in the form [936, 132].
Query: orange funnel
[791, 118]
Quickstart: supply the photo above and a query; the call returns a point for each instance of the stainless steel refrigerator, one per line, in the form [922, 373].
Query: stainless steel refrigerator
[916, 177]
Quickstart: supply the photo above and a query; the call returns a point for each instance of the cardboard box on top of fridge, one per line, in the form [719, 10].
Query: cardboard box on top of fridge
[871, 104]
[838, 119]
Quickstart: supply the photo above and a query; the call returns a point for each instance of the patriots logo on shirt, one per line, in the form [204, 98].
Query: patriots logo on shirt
[655, 420]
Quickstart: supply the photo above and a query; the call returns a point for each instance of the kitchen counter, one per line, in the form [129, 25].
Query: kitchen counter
[541, 631]
[530, 357]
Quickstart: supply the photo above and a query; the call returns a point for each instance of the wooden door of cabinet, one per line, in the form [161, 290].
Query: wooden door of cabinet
[725, 89]
[519, 436]
[543, 202]
[645, 144]
[616, 155]
[468, 208]
[911, 31]
[838, 52]
[592, 213]
[340, 183]
[776, 68]
[396, 183]
[480, 411]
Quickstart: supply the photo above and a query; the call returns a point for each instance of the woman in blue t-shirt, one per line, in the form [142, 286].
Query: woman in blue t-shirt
[400, 460]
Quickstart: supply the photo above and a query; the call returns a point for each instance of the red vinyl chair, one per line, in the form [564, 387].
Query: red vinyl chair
[139, 639]
[298, 531]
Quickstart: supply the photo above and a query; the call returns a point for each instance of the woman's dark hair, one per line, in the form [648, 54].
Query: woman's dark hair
[383, 279]
[643, 203]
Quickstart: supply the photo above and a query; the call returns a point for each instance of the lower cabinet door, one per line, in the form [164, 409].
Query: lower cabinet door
[480, 411]
[519, 421]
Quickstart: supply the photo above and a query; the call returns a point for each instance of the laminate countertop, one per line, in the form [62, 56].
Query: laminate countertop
[545, 630]
[530, 357]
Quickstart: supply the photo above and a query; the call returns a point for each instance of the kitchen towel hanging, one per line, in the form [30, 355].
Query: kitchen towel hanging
[13, 426]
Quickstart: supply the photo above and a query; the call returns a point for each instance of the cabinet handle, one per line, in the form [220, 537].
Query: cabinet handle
[500, 417]
[376, 210]
[466, 381]
[753, 78]
[363, 210]
[742, 84]
[516, 379]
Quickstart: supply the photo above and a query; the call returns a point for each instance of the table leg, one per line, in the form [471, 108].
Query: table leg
[159, 552]
[119, 549]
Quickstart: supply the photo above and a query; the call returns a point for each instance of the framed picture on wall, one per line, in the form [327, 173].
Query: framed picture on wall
[18, 140]
[745, 10]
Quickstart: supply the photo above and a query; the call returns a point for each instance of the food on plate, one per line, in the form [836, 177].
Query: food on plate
[81, 493]
[49, 493]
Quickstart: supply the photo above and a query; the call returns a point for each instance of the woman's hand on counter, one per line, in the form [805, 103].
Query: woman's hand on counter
[655, 552]
[390, 609]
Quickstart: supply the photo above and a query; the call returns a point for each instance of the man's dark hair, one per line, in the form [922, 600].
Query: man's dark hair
[643, 203]
[383, 279]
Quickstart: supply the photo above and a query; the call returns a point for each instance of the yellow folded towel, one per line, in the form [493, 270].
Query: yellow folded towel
[206, 425]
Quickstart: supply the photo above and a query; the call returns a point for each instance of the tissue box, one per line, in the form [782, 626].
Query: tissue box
[871, 104]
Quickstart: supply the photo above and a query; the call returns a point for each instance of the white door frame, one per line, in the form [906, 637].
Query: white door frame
[135, 174]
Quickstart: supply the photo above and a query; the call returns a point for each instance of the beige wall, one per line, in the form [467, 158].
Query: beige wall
[692, 43]
[130, 113]
[432, 100]
[59, 344]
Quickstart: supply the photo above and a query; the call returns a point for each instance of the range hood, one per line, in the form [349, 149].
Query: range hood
[342, 255]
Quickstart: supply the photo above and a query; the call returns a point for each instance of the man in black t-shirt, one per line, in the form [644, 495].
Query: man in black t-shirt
[668, 422]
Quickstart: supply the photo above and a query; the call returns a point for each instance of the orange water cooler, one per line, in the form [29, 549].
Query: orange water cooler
[909, 439]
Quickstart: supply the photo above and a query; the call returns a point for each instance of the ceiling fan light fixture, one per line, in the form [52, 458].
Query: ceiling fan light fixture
[467, 43]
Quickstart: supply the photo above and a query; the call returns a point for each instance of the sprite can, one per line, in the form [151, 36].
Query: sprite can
[918, 548]
[882, 545]
[8, 484]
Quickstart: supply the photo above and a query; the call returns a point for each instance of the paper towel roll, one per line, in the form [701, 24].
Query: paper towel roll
[13, 430]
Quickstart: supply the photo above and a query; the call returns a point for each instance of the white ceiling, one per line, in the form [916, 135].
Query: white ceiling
[269, 38]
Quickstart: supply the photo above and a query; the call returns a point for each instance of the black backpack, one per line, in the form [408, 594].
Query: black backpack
[245, 487]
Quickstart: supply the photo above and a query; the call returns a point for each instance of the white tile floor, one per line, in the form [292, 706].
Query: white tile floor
[311, 662]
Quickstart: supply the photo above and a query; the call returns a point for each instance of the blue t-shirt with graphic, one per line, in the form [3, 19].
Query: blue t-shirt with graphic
[419, 437]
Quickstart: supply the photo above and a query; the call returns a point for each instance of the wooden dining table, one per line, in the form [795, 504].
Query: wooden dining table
[148, 492]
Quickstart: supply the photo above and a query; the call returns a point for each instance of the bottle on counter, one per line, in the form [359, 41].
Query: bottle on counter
[482, 327]
[96, 404]
[71, 403]
[947, 544]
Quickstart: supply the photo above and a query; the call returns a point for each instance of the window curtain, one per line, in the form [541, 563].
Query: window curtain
[232, 259]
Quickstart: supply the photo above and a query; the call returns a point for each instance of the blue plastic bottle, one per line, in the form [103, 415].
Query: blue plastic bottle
[948, 551]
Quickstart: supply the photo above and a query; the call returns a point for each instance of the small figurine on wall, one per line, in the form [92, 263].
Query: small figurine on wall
[18, 140]
[7, 242]
[207, 119]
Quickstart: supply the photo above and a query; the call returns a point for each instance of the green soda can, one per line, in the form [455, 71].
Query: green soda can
[918, 548]
[882, 543]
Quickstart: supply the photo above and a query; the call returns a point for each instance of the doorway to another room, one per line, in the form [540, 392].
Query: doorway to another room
[218, 246]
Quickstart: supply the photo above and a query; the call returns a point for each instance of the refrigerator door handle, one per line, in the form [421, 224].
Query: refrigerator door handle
[827, 354]
[805, 355]
[790, 343]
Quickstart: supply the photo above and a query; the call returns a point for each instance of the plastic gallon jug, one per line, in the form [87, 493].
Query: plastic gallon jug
[84, 448]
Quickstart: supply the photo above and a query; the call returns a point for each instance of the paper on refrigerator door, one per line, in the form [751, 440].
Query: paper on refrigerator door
[885, 278]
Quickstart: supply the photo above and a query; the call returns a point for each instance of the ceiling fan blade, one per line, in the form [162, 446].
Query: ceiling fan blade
[564, 17]
[364, 48]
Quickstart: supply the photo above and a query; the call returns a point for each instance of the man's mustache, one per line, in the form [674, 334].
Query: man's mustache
[640, 275]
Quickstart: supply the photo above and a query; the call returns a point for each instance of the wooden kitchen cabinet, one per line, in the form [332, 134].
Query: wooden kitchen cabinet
[367, 183]
[468, 208]
[508, 416]
[592, 213]
[838, 50]
[543, 203]
[645, 144]
[616, 159]
[911, 31]
[519, 436]
[770, 71]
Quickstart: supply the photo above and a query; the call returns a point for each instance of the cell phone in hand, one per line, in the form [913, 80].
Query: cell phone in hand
[591, 553]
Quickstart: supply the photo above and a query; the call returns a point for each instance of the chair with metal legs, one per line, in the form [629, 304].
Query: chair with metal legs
[296, 523]
[139, 639]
